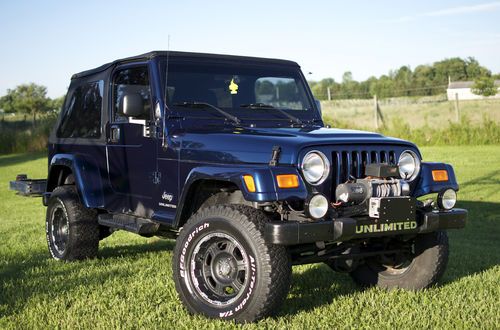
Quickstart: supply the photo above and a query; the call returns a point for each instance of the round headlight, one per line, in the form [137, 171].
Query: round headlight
[315, 167]
[409, 165]
[317, 206]
[447, 199]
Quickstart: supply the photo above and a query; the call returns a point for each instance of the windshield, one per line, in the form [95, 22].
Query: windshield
[249, 93]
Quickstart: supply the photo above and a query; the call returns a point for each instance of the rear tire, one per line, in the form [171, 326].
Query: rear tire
[421, 271]
[223, 268]
[71, 229]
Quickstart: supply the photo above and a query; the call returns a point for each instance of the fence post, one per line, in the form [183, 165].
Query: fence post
[375, 110]
[329, 93]
[457, 108]
[380, 115]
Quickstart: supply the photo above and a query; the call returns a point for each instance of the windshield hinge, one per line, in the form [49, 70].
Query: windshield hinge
[156, 177]
[275, 157]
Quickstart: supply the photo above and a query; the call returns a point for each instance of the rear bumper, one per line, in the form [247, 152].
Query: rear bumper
[28, 187]
[344, 229]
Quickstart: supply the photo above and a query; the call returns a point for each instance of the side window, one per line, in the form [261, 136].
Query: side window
[82, 114]
[131, 81]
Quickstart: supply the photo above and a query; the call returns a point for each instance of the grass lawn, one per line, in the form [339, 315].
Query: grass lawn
[130, 285]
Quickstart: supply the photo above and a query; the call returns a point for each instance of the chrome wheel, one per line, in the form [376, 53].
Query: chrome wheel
[223, 268]
[218, 269]
[59, 230]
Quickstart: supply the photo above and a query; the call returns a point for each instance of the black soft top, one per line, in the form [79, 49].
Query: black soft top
[174, 55]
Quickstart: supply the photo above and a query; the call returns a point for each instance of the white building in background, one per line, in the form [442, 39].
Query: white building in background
[464, 91]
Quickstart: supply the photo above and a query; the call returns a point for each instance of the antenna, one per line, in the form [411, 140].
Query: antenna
[165, 108]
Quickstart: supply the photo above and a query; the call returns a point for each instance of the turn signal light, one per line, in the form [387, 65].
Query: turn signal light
[249, 182]
[440, 175]
[287, 180]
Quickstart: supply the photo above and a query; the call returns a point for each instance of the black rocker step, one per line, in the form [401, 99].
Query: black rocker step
[129, 223]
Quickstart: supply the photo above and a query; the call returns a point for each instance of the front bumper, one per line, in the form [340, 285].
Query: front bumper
[344, 229]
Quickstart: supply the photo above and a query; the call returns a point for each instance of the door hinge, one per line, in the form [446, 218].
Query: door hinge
[156, 177]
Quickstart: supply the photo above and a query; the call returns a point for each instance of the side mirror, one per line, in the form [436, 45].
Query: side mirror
[318, 105]
[131, 105]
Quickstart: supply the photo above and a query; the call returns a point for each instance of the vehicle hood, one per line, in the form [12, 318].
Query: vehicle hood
[254, 145]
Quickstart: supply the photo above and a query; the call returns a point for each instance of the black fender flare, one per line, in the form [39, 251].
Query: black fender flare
[426, 184]
[264, 178]
[86, 174]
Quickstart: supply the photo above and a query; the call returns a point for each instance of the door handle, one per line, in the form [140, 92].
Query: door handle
[114, 134]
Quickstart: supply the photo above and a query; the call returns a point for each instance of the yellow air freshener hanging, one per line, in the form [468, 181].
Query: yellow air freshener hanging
[233, 87]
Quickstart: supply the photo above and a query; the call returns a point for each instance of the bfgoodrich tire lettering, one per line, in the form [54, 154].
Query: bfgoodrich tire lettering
[422, 271]
[71, 229]
[224, 269]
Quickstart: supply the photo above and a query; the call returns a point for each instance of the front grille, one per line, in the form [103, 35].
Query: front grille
[347, 164]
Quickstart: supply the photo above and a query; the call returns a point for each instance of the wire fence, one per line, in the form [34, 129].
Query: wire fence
[428, 111]
[404, 100]
[330, 94]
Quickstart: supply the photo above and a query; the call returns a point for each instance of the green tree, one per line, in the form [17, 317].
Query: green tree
[484, 86]
[320, 88]
[474, 70]
[57, 103]
[423, 81]
[347, 77]
[403, 81]
[455, 68]
[349, 88]
[384, 87]
[7, 104]
[27, 98]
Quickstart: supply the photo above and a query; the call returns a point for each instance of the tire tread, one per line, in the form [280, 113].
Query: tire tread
[83, 240]
[275, 260]
[426, 269]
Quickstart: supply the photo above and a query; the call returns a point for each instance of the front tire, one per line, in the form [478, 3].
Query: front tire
[224, 269]
[419, 271]
[71, 229]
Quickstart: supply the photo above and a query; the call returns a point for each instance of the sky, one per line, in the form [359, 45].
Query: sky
[47, 41]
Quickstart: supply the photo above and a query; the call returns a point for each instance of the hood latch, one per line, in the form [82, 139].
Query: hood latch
[275, 157]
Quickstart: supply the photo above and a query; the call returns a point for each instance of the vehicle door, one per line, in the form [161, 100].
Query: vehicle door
[131, 147]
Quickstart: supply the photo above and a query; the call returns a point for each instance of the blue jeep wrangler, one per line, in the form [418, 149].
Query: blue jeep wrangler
[230, 156]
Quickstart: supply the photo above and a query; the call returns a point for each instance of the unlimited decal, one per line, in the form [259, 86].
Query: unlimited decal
[384, 227]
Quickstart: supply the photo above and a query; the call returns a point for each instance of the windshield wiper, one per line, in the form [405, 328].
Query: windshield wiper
[268, 106]
[194, 104]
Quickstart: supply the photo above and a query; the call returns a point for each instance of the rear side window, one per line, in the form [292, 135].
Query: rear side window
[82, 114]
